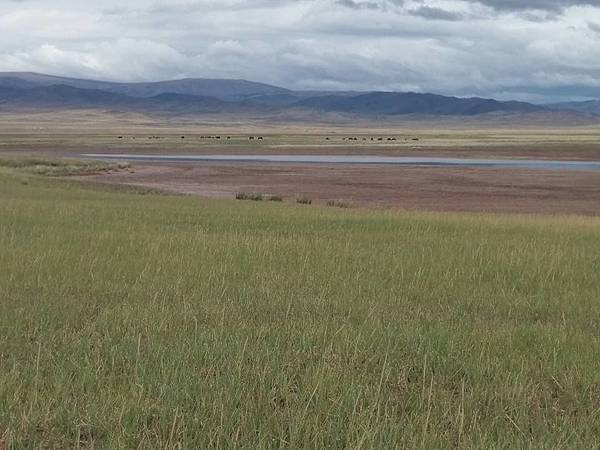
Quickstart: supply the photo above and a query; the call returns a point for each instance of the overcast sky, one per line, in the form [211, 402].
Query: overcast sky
[538, 50]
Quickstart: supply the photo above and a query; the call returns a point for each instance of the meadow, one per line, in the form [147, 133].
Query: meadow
[134, 319]
[71, 133]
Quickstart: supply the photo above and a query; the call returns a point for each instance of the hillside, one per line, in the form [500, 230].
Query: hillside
[392, 103]
[61, 97]
[227, 90]
[588, 107]
[31, 91]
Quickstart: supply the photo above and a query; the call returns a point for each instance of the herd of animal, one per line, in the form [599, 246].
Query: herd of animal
[373, 139]
[260, 138]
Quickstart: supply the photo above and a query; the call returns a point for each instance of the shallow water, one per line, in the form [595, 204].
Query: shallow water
[361, 159]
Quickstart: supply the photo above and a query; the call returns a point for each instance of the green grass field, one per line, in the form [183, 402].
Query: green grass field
[156, 321]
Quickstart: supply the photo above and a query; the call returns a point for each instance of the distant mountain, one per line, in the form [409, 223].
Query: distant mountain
[58, 96]
[68, 97]
[33, 91]
[587, 107]
[393, 103]
[9, 81]
[227, 90]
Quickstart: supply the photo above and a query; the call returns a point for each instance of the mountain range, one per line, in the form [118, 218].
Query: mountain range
[32, 91]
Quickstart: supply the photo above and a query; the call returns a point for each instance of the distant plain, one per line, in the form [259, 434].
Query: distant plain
[71, 134]
[132, 316]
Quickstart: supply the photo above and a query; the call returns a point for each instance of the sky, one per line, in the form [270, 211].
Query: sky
[534, 50]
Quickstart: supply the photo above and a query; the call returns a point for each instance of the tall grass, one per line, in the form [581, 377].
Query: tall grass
[254, 196]
[60, 167]
[152, 321]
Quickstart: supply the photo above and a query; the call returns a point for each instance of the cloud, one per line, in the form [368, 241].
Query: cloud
[428, 12]
[595, 27]
[354, 4]
[120, 59]
[529, 48]
[542, 5]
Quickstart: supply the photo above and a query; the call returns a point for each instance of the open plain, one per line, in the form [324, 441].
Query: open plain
[71, 135]
[300, 224]
[132, 316]
[137, 319]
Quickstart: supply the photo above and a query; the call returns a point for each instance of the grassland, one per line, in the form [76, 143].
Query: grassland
[72, 133]
[384, 140]
[60, 167]
[131, 321]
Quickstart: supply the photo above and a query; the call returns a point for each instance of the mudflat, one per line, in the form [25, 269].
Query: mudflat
[414, 188]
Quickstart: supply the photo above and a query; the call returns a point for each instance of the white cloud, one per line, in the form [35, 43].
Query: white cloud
[502, 48]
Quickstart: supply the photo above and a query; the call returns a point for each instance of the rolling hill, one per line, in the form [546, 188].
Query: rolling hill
[32, 91]
[227, 90]
[67, 97]
[587, 107]
[393, 103]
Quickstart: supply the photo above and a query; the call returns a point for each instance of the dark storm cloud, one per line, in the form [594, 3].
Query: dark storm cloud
[358, 5]
[428, 12]
[594, 27]
[544, 5]
[499, 5]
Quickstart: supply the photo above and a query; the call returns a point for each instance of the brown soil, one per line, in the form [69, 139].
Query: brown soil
[414, 188]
